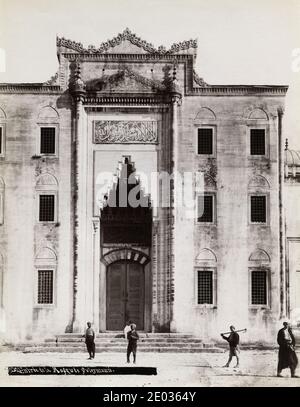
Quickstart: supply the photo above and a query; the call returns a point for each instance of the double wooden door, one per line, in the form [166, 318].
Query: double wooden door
[125, 283]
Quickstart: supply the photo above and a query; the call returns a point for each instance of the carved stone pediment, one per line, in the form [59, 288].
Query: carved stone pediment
[124, 81]
[127, 43]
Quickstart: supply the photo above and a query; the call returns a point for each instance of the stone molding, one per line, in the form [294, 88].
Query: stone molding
[119, 131]
[29, 88]
[199, 81]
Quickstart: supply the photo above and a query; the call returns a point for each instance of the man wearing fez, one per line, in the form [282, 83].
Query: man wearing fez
[286, 356]
[233, 339]
[90, 340]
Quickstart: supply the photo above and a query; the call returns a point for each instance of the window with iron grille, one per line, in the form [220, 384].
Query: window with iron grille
[45, 286]
[46, 209]
[257, 142]
[258, 209]
[47, 140]
[205, 141]
[205, 287]
[205, 208]
[259, 287]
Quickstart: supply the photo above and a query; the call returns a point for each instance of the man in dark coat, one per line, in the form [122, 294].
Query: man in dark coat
[233, 339]
[90, 340]
[287, 356]
[132, 337]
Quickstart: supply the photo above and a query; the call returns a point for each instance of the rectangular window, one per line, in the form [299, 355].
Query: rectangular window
[45, 286]
[46, 208]
[257, 142]
[1, 142]
[205, 287]
[258, 209]
[47, 140]
[205, 208]
[205, 141]
[259, 287]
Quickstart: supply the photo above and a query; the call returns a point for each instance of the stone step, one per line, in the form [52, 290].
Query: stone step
[158, 349]
[121, 340]
[121, 335]
[112, 345]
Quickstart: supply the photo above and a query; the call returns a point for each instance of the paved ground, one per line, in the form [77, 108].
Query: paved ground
[257, 368]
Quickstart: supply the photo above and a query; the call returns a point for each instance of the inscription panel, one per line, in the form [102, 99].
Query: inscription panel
[119, 131]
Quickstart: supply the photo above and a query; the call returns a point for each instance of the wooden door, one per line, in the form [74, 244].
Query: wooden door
[115, 296]
[135, 294]
[124, 295]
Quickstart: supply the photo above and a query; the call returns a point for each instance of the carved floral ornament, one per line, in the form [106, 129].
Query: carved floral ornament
[119, 131]
[129, 36]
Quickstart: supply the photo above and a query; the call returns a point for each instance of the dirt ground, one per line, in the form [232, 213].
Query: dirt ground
[257, 369]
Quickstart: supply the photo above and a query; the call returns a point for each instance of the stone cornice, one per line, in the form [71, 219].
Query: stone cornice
[134, 100]
[29, 88]
[239, 90]
[133, 39]
[72, 56]
[209, 90]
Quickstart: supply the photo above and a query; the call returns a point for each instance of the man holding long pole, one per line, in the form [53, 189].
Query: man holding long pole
[233, 339]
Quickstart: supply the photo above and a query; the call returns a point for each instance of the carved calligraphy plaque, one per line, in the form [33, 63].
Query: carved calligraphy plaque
[119, 131]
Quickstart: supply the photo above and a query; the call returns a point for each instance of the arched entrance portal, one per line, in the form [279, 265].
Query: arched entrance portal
[126, 237]
[125, 285]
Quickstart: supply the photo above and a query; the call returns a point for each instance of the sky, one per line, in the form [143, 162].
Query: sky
[239, 42]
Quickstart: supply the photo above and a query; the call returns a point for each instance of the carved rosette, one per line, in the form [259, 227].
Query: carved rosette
[113, 131]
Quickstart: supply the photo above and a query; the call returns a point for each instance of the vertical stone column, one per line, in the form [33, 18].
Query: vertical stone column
[78, 91]
[176, 102]
[96, 272]
[282, 239]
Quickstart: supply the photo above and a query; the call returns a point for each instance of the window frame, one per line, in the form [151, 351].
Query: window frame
[266, 195]
[2, 203]
[257, 126]
[214, 208]
[47, 192]
[52, 268]
[213, 271]
[267, 270]
[56, 138]
[3, 140]
[214, 138]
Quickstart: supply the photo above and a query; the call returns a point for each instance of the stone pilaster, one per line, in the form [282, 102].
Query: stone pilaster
[78, 91]
[176, 102]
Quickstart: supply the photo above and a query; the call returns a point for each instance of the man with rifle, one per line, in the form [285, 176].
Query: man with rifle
[233, 339]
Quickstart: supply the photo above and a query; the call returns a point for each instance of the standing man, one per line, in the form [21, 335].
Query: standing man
[90, 340]
[286, 356]
[233, 339]
[132, 337]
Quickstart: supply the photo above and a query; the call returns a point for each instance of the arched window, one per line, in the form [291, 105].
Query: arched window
[259, 278]
[206, 278]
[205, 123]
[46, 264]
[258, 198]
[206, 199]
[47, 196]
[258, 137]
[48, 122]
